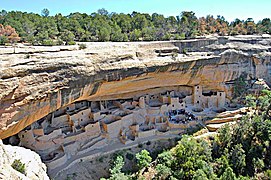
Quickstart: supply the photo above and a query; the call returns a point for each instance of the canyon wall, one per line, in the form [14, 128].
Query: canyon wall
[34, 168]
[36, 81]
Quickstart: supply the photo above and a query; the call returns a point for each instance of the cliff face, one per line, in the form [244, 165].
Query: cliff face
[36, 81]
[34, 168]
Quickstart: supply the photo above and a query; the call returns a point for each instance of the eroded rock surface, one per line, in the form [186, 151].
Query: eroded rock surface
[34, 168]
[36, 81]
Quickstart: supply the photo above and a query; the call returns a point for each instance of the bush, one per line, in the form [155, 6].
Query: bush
[239, 87]
[48, 42]
[179, 36]
[59, 42]
[82, 46]
[143, 159]
[116, 154]
[125, 38]
[184, 51]
[148, 143]
[71, 43]
[27, 56]
[268, 173]
[101, 159]
[176, 139]
[19, 166]
[130, 156]
[194, 129]
[162, 171]
[3, 40]
[140, 145]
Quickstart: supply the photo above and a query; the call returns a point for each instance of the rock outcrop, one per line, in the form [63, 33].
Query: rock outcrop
[34, 168]
[36, 81]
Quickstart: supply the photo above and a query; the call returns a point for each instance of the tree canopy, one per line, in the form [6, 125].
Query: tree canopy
[45, 29]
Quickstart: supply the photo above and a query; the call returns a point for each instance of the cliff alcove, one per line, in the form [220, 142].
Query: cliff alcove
[68, 104]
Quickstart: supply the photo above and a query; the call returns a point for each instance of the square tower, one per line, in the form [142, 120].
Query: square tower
[142, 102]
[221, 99]
[197, 96]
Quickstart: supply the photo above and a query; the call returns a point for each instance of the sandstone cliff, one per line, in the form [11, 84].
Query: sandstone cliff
[34, 168]
[35, 81]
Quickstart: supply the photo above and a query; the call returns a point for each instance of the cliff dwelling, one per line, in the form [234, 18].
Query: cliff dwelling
[69, 104]
[84, 126]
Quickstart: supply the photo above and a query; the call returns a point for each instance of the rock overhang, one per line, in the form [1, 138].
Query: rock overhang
[36, 85]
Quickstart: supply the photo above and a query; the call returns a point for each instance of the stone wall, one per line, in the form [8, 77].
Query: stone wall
[93, 129]
[60, 121]
[113, 129]
[149, 133]
[81, 117]
[127, 120]
[194, 44]
[27, 138]
[58, 162]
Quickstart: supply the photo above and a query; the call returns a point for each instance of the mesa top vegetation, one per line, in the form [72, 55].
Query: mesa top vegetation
[104, 26]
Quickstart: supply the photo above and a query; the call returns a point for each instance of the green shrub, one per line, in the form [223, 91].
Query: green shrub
[82, 46]
[239, 87]
[192, 130]
[162, 171]
[143, 158]
[48, 42]
[184, 51]
[27, 56]
[59, 42]
[71, 43]
[268, 173]
[3, 40]
[148, 143]
[19, 166]
[101, 159]
[176, 139]
[130, 156]
[179, 36]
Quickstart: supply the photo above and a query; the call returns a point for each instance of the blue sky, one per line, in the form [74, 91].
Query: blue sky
[230, 9]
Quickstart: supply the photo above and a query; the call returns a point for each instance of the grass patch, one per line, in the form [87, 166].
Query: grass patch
[19, 166]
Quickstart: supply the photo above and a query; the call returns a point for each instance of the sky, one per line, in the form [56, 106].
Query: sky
[230, 9]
